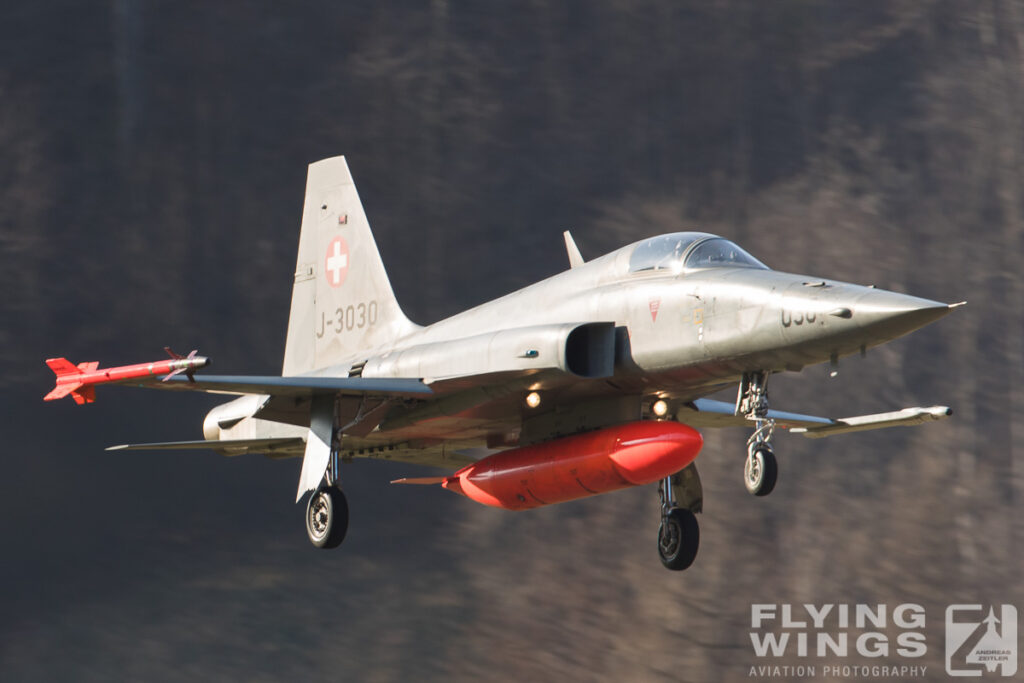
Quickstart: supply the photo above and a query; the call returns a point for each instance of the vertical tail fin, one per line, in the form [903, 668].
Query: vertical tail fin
[342, 301]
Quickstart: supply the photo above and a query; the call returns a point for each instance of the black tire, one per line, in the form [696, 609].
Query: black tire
[327, 517]
[678, 539]
[760, 472]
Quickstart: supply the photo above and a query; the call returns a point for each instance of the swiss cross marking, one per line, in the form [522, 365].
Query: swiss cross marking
[336, 262]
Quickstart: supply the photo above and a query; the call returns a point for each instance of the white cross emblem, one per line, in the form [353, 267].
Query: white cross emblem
[337, 262]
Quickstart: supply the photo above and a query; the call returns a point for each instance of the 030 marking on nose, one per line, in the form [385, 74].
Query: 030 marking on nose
[790, 318]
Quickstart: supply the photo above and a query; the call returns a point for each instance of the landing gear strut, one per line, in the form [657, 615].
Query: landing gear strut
[679, 533]
[761, 469]
[327, 510]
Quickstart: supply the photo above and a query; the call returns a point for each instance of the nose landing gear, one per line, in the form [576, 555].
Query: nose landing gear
[761, 469]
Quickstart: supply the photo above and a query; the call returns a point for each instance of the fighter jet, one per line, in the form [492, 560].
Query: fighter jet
[593, 380]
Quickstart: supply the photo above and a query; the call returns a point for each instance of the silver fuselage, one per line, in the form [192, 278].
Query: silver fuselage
[680, 335]
[599, 341]
[697, 325]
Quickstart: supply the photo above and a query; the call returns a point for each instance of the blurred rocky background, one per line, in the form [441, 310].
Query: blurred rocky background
[152, 167]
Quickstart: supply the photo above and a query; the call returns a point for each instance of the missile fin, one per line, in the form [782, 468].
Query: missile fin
[84, 394]
[60, 391]
[62, 367]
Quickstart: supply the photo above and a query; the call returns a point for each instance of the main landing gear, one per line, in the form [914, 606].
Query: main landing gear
[679, 533]
[327, 517]
[761, 469]
[327, 510]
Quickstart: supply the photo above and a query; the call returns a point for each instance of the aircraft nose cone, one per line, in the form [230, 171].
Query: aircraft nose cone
[889, 315]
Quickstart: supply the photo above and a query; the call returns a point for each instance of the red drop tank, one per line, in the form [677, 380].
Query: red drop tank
[578, 466]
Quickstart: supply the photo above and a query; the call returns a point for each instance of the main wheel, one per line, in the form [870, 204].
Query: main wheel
[678, 539]
[761, 471]
[327, 517]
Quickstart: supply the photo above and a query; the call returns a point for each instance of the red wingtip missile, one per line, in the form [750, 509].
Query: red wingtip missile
[80, 380]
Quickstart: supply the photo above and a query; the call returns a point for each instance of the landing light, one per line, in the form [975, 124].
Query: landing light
[659, 408]
[532, 399]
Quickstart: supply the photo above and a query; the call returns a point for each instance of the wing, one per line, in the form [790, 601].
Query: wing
[705, 412]
[294, 387]
[295, 400]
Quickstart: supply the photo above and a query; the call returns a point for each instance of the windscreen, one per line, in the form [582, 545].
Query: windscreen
[719, 253]
[664, 252]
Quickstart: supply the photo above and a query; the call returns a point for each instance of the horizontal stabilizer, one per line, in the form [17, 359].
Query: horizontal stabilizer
[426, 481]
[229, 446]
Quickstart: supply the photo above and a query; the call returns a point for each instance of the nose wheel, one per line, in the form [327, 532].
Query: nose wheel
[760, 471]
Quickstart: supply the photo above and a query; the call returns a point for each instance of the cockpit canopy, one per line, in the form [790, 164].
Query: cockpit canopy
[689, 250]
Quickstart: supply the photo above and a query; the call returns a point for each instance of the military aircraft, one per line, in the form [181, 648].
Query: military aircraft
[590, 381]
